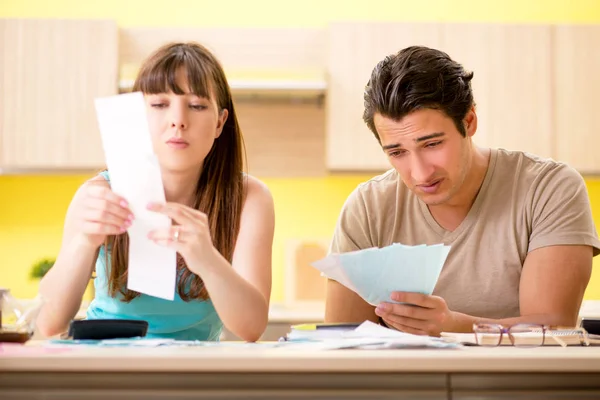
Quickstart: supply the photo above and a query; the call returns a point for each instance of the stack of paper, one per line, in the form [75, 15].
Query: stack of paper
[377, 272]
[366, 335]
[135, 174]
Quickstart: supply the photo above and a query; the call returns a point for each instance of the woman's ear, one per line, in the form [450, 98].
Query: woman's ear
[221, 122]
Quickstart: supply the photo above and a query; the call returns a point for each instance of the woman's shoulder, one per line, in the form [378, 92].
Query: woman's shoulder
[100, 179]
[255, 187]
[257, 192]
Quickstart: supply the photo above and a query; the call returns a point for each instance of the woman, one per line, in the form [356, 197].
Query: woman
[223, 219]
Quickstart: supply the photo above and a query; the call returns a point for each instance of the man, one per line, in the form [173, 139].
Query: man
[520, 227]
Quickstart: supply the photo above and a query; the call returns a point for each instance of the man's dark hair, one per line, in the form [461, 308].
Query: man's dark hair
[415, 78]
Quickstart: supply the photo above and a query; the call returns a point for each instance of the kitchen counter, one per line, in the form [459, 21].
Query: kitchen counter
[236, 370]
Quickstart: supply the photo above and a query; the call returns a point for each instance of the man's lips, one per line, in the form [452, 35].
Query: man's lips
[430, 187]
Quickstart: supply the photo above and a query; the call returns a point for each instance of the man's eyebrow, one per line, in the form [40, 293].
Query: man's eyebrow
[391, 146]
[427, 137]
[417, 140]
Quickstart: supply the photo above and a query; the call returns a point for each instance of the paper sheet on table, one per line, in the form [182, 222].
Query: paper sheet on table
[367, 335]
[377, 272]
[135, 174]
[396, 339]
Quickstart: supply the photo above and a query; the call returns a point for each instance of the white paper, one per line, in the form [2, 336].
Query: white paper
[375, 273]
[367, 335]
[371, 329]
[135, 174]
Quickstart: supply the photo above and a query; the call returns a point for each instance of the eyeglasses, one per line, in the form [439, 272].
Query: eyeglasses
[521, 335]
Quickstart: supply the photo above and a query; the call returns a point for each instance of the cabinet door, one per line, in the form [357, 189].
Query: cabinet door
[354, 50]
[283, 139]
[577, 84]
[50, 73]
[511, 84]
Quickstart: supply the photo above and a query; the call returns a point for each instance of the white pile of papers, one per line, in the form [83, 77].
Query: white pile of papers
[367, 335]
[377, 272]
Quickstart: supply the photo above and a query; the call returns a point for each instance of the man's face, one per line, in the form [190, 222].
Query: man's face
[428, 151]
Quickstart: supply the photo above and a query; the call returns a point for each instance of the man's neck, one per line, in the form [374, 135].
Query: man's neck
[450, 215]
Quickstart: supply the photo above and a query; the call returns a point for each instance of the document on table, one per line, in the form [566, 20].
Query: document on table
[377, 272]
[135, 174]
[367, 335]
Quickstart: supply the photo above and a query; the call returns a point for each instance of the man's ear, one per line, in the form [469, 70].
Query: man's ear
[221, 122]
[470, 122]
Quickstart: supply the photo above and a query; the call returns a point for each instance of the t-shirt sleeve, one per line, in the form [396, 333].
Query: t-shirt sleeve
[561, 211]
[352, 228]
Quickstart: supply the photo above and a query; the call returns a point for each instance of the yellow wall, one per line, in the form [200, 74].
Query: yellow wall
[304, 13]
[32, 210]
[32, 207]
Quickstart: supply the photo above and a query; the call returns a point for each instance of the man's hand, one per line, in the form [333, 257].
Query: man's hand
[422, 315]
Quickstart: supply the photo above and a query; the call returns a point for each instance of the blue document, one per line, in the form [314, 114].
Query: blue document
[377, 272]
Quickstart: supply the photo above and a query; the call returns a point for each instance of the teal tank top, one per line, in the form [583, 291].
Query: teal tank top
[177, 319]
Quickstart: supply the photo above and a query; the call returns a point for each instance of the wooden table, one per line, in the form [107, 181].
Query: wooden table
[232, 372]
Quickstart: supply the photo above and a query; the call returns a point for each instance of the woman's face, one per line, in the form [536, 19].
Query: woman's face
[183, 127]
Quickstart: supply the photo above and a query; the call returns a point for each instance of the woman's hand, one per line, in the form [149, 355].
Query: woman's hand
[189, 236]
[100, 212]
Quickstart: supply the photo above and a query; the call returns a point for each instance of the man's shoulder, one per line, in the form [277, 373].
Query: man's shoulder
[531, 169]
[380, 185]
[378, 189]
[375, 192]
[365, 218]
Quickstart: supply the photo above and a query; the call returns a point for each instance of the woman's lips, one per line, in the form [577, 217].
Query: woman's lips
[177, 144]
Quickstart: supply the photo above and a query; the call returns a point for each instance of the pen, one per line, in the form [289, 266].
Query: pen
[314, 327]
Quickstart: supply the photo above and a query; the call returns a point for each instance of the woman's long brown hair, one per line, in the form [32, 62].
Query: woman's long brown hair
[220, 190]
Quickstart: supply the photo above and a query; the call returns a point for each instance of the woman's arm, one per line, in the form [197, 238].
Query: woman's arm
[64, 285]
[241, 294]
[93, 213]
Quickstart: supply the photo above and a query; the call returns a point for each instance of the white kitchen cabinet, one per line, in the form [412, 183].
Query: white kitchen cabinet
[511, 84]
[354, 50]
[576, 88]
[50, 72]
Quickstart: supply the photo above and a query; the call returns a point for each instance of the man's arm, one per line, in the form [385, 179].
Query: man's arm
[553, 282]
[351, 233]
[559, 299]
[552, 285]
[344, 305]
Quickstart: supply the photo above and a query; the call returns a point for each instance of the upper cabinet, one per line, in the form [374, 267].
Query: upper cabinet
[257, 61]
[576, 83]
[511, 83]
[50, 73]
[354, 50]
[534, 86]
[277, 83]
